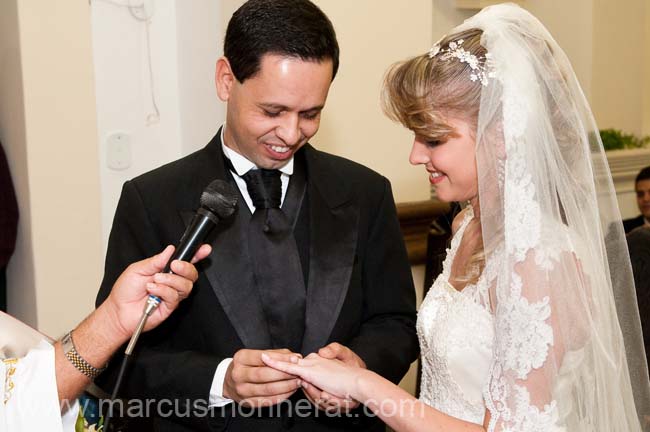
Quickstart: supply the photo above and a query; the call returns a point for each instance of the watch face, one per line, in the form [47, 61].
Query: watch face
[66, 342]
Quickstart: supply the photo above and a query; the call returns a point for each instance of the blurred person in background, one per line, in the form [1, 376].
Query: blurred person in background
[8, 224]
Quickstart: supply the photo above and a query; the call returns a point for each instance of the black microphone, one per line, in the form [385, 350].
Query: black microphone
[218, 201]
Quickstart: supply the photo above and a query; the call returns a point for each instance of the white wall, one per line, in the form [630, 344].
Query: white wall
[200, 43]
[49, 130]
[446, 16]
[372, 35]
[618, 67]
[184, 41]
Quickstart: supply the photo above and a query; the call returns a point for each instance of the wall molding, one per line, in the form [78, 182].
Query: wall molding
[625, 165]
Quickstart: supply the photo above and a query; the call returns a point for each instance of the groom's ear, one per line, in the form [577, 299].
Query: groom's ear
[224, 79]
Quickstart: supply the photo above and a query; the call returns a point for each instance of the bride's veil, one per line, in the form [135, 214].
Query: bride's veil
[551, 224]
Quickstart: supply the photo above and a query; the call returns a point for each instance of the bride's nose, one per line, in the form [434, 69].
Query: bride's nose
[419, 154]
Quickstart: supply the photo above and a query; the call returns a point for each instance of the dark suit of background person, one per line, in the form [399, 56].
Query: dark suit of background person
[8, 224]
[632, 223]
[642, 191]
[638, 242]
[360, 290]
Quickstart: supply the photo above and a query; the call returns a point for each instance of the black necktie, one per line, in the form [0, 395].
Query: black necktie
[275, 259]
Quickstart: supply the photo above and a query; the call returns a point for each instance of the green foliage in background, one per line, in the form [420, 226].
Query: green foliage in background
[614, 139]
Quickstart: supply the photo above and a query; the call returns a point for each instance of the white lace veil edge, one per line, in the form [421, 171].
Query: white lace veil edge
[550, 222]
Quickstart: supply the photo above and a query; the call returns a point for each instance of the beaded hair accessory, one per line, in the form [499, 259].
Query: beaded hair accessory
[482, 67]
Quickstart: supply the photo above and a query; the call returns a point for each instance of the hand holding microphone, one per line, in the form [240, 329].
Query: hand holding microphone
[143, 278]
[218, 201]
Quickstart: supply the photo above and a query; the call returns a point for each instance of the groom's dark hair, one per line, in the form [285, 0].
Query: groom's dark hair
[292, 28]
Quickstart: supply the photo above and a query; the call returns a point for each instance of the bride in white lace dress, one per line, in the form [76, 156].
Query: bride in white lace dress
[520, 332]
[456, 331]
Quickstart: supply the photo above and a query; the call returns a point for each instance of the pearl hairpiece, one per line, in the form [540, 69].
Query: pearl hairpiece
[482, 67]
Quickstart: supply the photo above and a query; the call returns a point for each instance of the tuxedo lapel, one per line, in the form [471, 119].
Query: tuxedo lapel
[333, 232]
[234, 285]
[333, 222]
[228, 272]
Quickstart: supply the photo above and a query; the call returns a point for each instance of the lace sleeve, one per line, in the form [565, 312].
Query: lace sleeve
[547, 356]
[520, 390]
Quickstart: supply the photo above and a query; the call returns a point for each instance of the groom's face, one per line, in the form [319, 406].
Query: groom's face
[276, 111]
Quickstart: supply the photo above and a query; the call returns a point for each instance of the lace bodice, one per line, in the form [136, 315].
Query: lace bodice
[456, 332]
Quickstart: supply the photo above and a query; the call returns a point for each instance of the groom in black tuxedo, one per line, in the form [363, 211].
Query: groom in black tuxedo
[312, 260]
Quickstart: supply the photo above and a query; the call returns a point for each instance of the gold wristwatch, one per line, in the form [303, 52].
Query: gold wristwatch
[77, 361]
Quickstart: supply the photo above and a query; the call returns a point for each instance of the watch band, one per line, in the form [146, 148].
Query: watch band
[77, 361]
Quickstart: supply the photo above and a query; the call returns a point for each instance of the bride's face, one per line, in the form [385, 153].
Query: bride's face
[450, 164]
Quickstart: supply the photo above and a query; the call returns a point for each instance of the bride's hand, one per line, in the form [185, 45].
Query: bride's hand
[332, 376]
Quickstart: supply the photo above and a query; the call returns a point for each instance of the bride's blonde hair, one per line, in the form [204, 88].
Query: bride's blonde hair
[423, 92]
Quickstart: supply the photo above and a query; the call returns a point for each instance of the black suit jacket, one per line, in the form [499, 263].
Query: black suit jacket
[638, 242]
[630, 224]
[359, 292]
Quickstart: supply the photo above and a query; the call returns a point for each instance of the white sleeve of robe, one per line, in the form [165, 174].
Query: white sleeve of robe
[33, 403]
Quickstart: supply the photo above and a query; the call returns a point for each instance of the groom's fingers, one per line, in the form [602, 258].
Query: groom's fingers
[247, 357]
[248, 377]
[313, 394]
[271, 389]
[240, 384]
[340, 352]
[261, 375]
[260, 402]
[300, 367]
[290, 367]
[248, 366]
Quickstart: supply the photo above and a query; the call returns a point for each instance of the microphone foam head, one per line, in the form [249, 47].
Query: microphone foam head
[220, 197]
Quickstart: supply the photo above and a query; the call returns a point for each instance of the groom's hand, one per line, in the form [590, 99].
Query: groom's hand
[250, 382]
[340, 352]
[324, 400]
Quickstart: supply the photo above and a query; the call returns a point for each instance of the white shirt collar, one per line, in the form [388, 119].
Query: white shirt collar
[242, 165]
